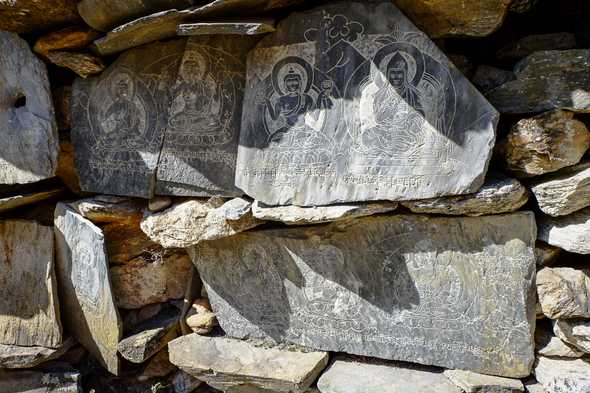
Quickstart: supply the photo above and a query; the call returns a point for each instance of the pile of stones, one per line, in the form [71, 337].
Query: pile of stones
[294, 196]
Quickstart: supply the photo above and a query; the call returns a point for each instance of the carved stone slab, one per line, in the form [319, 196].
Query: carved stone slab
[29, 313]
[40, 382]
[85, 289]
[452, 292]
[351, 102]
[27, 116]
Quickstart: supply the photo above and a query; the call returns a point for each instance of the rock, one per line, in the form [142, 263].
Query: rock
[487, 77]
[200, 319]
[225, 363]
[350, 376]
[140, 282]
[522, 6]
[532, 386]
[12, 202]
[40, 382]
[298, 215]
[545, 143]
[546, 254]
[564, 192]
[88, 308]
[28, 16]
[29, 309]
[547, 344]
[350, 149]
[499, 194]
[159, 203]
[235, 28]
[193, 221]
[575, 332]
[157, 366]
[26, 114]
[564, 292]
[526, 46]
[471, 382]
[83, 64]
[126, 242]
[463, 294]
[571, 232]
[567, 72]
[563, 375]
[66, 167]
[16, 356]
[103, 209]
[62, 95]
[70, 38]
[184, 383]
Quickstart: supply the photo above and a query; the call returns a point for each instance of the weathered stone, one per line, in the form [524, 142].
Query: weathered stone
[534, 43]
[184, 383]
[234, 28]
[224, 363]
[546, 254]
[40, 382]
[567, 72]
[83, 64]
[564, 292]
[298, 215]
[70, 38]
[16, 356]
[575, 332]
[191, 222]
[12, 202]
[547, 344]
[86, 296]
[157, 366]
[29, 313]
[571, 232]
[350, 376]
[126, 242]
[471, 382]
[454, 292]
[27, 16]
[159, 203]
[62, 96]
[353, 90]
[545, 143]
[487, 78]
[109, 209]
[66, 167]
[532, 386]
[200, 319]
[563, 375]
[499, 194]
[27, 116]
[564, 192]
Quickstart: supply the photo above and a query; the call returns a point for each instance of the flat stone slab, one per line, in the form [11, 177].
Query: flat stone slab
[233, 28]
[16, 356]
[575, 332]
[564, 192]
[571, 232]
[404, 287]
[87, 304]
[26, 115]
[12, 202]
[226, 363]
[29, 309]
[563, 375]
[40, 382]
[327, 115]
[471, 382]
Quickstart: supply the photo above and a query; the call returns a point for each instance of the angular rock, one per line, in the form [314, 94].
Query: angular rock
[567, 72]
[350, 376]
[564, 292]
[298, 215]
[534, 43]
[200, 319]
[15, 356]
[487, 78]
[453, 292]
[234, 28]
[564, 192]
[29, 309]
[27, 16]
[471, 382]
[40, 382]
[575, 332]
[83, 64]
[70, 38]
[547, 344]
[225, 363]
[571, 232]
[499, 194]
[26, 115]
[126, 242]
[546, 254]
[563, 375]
[12, 202]
[191, 222]
[545, 143]
[109, 209]
[88, 308]
[352, 90]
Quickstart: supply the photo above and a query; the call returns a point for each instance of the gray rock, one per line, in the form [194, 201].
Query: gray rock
[564, 192]
[184, 383]
[345, 134]
[575, 332]
[564, 292]
[15, 356]
[499, 194]
[227, 363]
[532, 386]
[87, 303]
[563, 375]
[567, 72]
[29, 309]
[253, 27]
[471, 382]
[547, 344]
[487, 77]
[453, 292]
[526, 46]
[40, 382]
[27, 116]
[14, 201]
[571, 232]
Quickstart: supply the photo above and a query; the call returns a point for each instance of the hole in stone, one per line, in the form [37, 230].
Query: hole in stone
[20, 101]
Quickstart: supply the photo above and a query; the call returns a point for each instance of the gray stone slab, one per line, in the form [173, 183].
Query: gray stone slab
[27, 117]
[29, 310]
[40, 382]
[452, 292]
[351, 102]
[564, 192]
[471, 382]
[234, 28]
[571, 232]
[86, 297]
[16, 356]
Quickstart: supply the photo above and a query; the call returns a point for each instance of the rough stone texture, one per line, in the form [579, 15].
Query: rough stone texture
[547, 344]
[29, 310]
[225, 363]
[350, 376]
[26, 115]
[322, 125]
[546, 254]
[70, 38]
[533, 43]
[83, 64]
[298, 215]
[40, 382]
[126, 242]
[463, 294]
[191, 222]
[107, 209]
[567, 72]
[12, 202]
[563, 375]
[564, 292]
[27, 16]
[575, 332]
[499, 194]
[66, 166]
[184, 383]
[487, 78]
[86, 296]
[15, 356]
[157, 366]
[545, 143]
[532, 386]
[159, 203]
[200, 319]
[571, 232]
[471, 382]
[564, 192]
[234, 28]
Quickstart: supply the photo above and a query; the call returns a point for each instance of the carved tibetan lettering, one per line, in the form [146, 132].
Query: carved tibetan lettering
[361, 106]
[452, 292]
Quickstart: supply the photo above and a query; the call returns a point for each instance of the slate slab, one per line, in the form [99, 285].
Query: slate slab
[230, 27]
[571, 232]
[351, 102]
[23, 199]
[471, 382]
[16, 356]
[88, 307]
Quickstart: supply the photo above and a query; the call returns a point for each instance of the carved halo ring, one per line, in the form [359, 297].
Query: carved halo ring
[412, 55]
[294, 65]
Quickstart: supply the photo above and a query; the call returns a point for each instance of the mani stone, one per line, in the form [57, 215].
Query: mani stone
[27, 116]
[563, 375]
[564, 292]
[575, 332]
[350, 376]
[499, 194]
[351, 102]
[471, 382]
[547, 344]
[567, 72]
[545, 143]
[28, 16]
[234, 28]
[29, 309]
[40, 382]
[88, 308]
[571, 232]
[451, 292]
[226, 363]
[564, 192]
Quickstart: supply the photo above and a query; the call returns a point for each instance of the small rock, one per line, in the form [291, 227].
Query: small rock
[14, 356]
[575, 332]
[184, 383]
[107, 209]
[487, 77]
[564, 192]
[125, 241]
[563, 375]
[564, 292]
[546, 254]
[571, 232]
[200, 319]
[547, 344]
[40, 382]
[532, 386]
[526, 46]
[83, 64]
[159, 203]
[471, 382]
[70, 38]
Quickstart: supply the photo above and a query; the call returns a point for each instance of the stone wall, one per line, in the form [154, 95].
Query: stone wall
[294, 196]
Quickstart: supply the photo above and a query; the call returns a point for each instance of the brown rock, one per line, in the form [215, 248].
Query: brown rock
[27, 16]
[200, 319]
[158, 366]
[70, 38]
[66, 166]
[546, 254]
[83, 64]
[14, 201]
[61, 103]
[109, 209]
[125, 241]
[564, 292]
